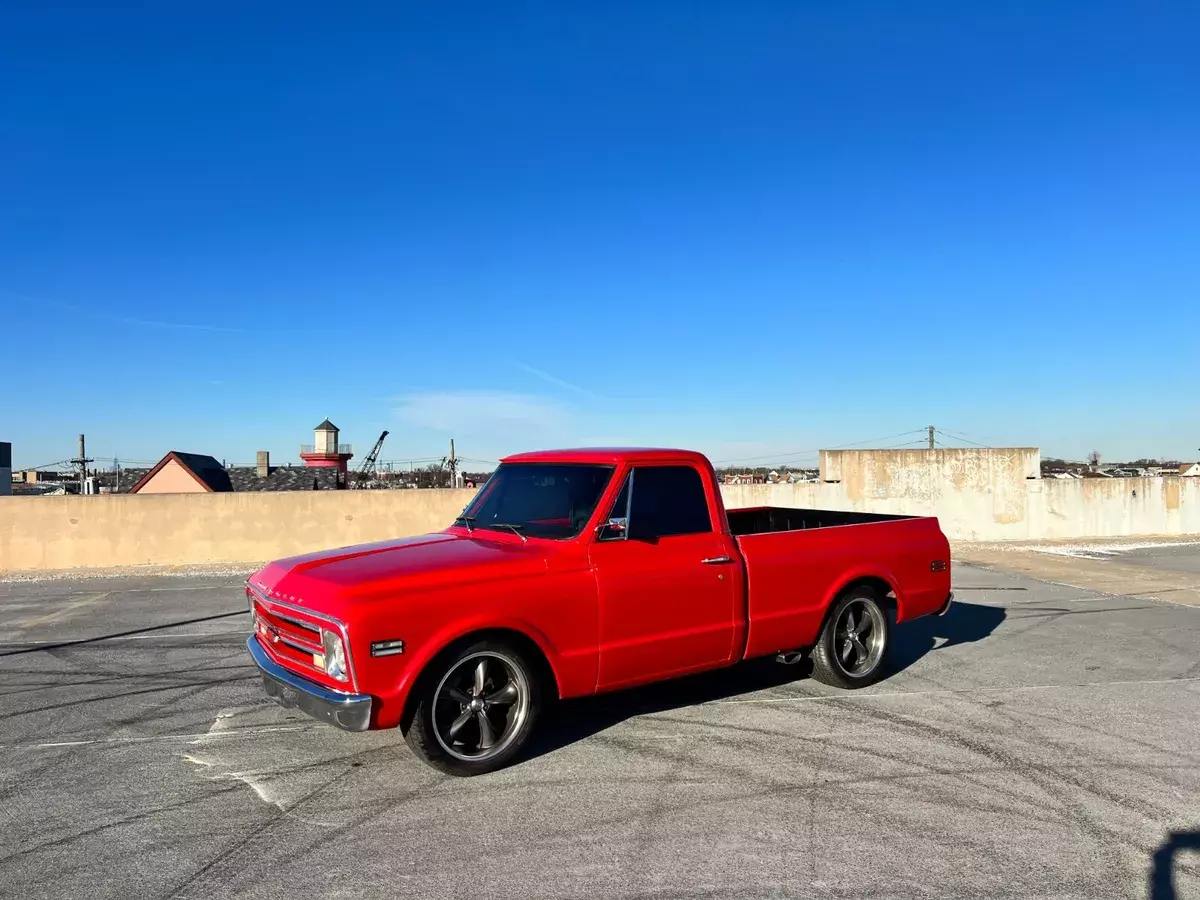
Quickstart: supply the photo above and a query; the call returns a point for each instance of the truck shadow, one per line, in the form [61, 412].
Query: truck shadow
[964, 623]
[575, 720]
[60, 645]
[1162, 872]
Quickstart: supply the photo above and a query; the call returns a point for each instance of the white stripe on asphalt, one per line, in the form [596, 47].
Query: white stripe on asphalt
[167, 737]
[1005, 690]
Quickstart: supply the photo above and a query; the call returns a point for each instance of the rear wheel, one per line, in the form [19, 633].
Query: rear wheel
[476, 708]
[854, 643]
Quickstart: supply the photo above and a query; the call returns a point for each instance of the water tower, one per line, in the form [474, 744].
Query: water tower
[325, 452]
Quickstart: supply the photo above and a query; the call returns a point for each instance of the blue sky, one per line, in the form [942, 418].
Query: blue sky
[754, 228]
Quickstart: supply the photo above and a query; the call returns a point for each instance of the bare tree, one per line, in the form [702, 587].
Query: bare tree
[1094, 458]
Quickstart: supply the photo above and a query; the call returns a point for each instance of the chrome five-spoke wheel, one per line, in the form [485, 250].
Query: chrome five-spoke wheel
[853, 645]
[475, 706]
[859, 637]
[480, 705]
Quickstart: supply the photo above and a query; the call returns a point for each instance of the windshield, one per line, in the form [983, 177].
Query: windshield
[538, 499]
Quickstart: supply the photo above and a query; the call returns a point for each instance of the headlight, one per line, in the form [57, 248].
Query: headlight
[335, 655]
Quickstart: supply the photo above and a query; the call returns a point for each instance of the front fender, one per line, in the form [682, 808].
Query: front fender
[449, 635]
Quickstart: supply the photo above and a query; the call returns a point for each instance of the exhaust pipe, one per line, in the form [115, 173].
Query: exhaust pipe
[789, 657]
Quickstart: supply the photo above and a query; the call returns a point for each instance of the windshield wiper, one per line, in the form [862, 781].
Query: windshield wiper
[469, 521]
[515, 529]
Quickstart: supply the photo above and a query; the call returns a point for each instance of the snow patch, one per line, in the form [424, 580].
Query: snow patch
[242, 570]
[1101, 550]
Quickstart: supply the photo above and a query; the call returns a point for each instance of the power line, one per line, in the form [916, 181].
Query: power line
[61, 462]
[964, 436]
[796, 453]
[957, 437]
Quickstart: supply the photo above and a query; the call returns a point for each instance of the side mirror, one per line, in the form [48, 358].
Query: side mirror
[615, 529]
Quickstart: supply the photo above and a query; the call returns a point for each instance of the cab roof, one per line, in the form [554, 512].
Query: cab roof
[608, 455]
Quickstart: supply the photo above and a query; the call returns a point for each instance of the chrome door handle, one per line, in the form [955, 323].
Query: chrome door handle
[717, 561]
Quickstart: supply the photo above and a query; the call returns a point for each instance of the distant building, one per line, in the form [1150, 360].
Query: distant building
[41, 476]
[21, 489]
[197, 473]
[324, 469]
[745, 478]
[265, 477]
[184, 473]
[1190, 470]
[5, 469]
[325, 451]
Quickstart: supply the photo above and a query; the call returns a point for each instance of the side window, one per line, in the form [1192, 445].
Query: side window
[668, 500]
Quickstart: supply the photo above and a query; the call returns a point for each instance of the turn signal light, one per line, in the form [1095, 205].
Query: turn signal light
[387, 648]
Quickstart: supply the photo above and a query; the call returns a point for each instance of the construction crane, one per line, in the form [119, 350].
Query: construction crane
[367, 469]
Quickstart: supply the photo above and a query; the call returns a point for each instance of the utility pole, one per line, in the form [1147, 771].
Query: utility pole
[81, 460]
[931, 430]
[453, 466]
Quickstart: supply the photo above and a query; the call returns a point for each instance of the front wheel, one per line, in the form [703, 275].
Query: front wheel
[854, 642]
[476, 709]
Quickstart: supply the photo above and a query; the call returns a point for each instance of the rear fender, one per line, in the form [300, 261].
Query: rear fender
[864, 572]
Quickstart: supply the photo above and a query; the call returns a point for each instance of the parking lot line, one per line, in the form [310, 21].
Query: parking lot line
[69, 608]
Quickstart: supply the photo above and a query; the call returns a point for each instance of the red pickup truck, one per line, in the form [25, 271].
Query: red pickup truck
[574, 572]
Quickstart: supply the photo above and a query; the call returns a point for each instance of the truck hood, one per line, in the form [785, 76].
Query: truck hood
[335, 581]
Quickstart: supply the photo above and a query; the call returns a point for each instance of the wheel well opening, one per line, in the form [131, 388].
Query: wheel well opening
[528, 647]
[883, 590]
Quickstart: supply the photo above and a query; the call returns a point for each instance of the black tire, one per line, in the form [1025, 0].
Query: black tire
[508, 723]
[849, 662]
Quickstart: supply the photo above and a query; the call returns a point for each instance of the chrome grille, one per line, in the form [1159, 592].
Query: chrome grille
[288, 637]
[293, 640]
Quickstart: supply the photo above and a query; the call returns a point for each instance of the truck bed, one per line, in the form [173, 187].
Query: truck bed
[797, 560]
[769, 519]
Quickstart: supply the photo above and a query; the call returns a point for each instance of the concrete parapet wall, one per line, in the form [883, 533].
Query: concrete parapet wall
[193, 529]
[932, 468]
[43, 533]
[1006, 508]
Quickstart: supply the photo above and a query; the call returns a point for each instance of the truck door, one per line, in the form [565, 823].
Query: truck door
[669, 581]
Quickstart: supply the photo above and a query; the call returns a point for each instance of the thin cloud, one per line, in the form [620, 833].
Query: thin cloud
[101, 315]
[183, 326]
[483, 412]
[557, 382]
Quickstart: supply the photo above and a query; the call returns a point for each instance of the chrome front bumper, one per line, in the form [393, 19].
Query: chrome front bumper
[349, 712]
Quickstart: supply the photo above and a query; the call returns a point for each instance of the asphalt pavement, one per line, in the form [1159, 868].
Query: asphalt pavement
[1176, 557]
[1039, 741]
